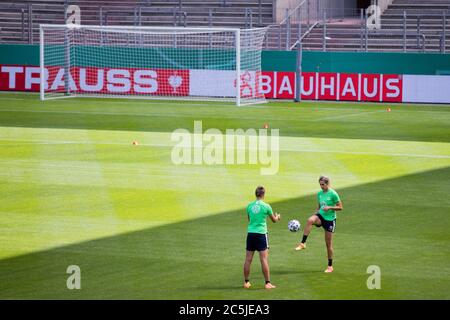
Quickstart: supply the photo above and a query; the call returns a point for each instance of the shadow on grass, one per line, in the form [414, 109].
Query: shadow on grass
[294, 271]
[202, 258]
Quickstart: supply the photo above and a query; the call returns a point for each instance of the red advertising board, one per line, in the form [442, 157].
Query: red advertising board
[334, 86]
[97, 80]
[274, 85]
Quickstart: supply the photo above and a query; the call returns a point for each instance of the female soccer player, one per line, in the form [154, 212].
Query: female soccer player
[325, 216]
[257, 213]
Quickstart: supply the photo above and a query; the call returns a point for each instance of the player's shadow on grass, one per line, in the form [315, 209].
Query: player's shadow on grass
[295, 271]
[220, 288]
[203, 258]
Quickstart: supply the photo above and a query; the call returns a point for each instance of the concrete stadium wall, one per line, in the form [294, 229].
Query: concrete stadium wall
[334, 8]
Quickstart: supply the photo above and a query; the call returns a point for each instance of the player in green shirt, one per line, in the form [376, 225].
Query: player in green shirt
[257, 239]
[328, 203]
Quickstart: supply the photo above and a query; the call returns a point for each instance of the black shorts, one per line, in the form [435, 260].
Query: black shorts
[257, 242]
[329, 226]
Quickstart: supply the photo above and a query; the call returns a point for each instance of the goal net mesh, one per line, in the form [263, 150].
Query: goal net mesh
[154, 63]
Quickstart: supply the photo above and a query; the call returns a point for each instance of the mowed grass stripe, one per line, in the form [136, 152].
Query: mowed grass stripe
[309, 144]
[147, 179]
[141, 227]
[287, 104]
[405, 122]
[200, 264]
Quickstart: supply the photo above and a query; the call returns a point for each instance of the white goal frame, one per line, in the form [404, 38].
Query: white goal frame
[153, 30]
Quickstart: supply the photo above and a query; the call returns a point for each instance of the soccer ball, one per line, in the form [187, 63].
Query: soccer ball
[294, 225]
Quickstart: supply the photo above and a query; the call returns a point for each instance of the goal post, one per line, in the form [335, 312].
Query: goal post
[209, 64]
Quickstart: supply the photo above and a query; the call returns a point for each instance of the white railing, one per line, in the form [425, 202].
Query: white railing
[303, 17]
[383, 4]
[294, 11]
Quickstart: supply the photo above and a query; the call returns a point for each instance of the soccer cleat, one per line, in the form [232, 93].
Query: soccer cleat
[329, 270]
[269, 286]
[301, 246]
[247, 285]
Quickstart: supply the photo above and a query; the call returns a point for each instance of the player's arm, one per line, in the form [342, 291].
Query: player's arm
[275, 217]
[338, 204]
[318, 204]
[337, 207]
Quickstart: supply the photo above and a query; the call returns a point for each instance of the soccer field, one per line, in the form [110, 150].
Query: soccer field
[76, 191]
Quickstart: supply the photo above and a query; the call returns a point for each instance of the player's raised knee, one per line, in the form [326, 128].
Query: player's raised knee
[311, 220]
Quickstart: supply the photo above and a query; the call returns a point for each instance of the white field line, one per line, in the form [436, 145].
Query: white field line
[218, 103]
[282, 148]
[21, 99]
[22, 142]
[212, 115]
[344, 116]
[409, 155]
[393, 111]
[52, 142]
[151, 115]
[175, 103]
[174, 115]
[80, 174]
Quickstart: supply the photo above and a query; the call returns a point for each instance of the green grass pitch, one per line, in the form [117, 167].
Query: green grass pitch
[75, 191]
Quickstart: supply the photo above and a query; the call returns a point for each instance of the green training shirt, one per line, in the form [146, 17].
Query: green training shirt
[257, 212]
[330, 199]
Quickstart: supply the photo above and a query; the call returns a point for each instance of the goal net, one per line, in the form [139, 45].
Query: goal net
[151, 62]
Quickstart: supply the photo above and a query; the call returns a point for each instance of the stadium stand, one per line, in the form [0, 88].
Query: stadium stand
[20, 19]
[421, 30]
[424, 26]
